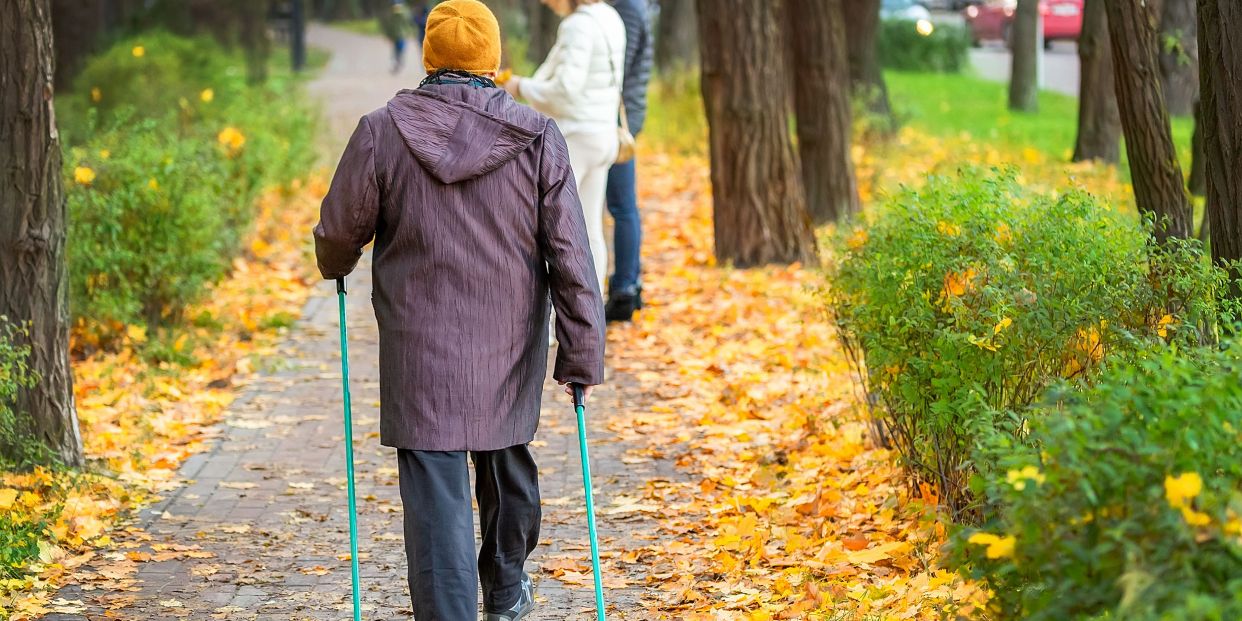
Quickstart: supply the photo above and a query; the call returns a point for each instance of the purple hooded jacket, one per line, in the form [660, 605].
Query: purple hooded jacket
[475, 215]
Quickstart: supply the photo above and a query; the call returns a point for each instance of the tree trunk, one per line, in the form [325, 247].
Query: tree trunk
[816, 36]
[76, 24]
[1197, 183]
[1023, 86]
[1179, 56]
[1154, 169]
[32, 223]
[862, 22]
[677, 38]
[1099, 122]
[1221, 108]
[759, 209]
[251, 17]
[541, 24]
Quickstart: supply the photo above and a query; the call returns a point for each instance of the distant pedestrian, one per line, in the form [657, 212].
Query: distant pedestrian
[469, 198]
[625, 290]
[395, 24]
[421, 11]
[579, 85]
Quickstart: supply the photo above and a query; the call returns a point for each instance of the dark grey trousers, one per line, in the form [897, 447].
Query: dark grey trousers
[439, 529]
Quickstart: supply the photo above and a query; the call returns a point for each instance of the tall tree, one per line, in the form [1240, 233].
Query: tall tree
[759, 208]
[677, 38]
[76, 25]
[32, 222]
[817, 59]
[1023, 85]
[251, 16]
[1197, 181]
[1220, 21]
[862, 23]
[1099, 122]
[1154, 169]
[1179, 56]
[541, 24]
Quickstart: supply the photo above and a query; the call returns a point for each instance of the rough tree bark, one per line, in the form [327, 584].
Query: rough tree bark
[817, 60]
[541, 24]
[677, 38]
[1099, 122]
[1023, 87]
[1197, 181]
[759, 209]
[1154, 169]
[1179, 56]
[862, 22]
[32, 222]
[1221, 109]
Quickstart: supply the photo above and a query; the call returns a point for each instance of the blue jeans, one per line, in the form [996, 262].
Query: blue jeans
[622, 198]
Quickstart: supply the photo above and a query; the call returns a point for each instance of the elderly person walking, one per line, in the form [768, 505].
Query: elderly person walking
[579, 85]
[471, 203]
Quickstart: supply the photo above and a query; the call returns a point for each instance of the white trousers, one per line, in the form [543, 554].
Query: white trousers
[591, 154]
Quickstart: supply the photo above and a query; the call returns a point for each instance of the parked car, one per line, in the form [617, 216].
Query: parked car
[903, 9]
[993, 20]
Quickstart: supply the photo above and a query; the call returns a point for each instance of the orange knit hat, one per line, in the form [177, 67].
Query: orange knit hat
[462, 35]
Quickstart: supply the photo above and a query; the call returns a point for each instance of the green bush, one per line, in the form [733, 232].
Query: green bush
[151, 228]
[1126, 501]
[18, 446]
[901, 46]
[19, 543]
[963, 301]
[170, 147]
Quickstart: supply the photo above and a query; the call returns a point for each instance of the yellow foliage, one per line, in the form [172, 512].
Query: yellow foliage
[997, 546]
[1181, 489]
[232, 140]
[83, 175]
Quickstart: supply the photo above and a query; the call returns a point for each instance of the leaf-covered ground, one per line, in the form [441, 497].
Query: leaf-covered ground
[788, 510]
[141, 418]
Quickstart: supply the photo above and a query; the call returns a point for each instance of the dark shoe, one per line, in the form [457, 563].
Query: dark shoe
[622, 303]
[525, 603]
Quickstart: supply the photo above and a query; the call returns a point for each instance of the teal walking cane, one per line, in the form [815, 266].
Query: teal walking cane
[349, 452]
[580, 408]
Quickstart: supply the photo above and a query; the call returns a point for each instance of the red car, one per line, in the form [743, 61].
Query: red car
[994, 20]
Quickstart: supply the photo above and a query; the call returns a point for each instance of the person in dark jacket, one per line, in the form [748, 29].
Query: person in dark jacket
[475, 215]
[624, 287]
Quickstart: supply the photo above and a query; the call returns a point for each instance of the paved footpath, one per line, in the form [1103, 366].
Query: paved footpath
[259, 531]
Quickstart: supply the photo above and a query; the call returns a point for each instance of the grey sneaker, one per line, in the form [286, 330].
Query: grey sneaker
[525, 603]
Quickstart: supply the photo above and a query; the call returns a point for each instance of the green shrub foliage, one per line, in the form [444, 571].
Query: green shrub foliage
[962, 302]
[18, 446]
[1126, 500]
[901, 46]
[169, 148]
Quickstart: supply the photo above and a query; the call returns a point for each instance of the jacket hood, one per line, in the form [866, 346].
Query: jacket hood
[459, 132]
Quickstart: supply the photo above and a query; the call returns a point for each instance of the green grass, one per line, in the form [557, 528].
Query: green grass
[951, 105]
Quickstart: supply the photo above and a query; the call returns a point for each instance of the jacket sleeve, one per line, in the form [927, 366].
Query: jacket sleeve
[564, 73]
[638, 56]
[571, 270]
[348, 214]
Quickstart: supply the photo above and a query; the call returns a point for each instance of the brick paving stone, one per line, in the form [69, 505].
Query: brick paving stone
[267, 502]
